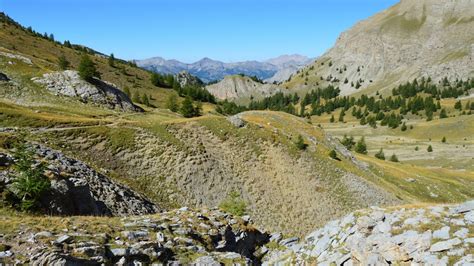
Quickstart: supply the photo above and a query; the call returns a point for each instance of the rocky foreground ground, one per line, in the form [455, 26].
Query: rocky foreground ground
[435, 235]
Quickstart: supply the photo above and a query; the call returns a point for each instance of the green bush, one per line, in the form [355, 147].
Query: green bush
[380, 155]
[394, 158]
[29, 182]
[300, 143]
[361, 147]
[333, 154]
[234, 204]
[87, 69]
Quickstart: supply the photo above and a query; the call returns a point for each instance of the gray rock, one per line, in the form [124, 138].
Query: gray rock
[465, 207]
[205, 260]
[119, 252]
[236, 121]
[469, 217]
[445, 245]
[466, 261]
[63, 239]
[442, 233]
[462, 233]
[45, 234]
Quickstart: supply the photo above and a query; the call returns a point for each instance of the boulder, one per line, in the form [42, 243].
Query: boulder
[68, 83]
[3, 77]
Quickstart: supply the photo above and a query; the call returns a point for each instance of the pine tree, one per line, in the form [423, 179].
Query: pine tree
[172, 103]
[300, 143]
[443, 114]
[87, 70]
[341, 115]
[332, 119]
[380, 155]
[111, 60]
[333, 154]
[458, 105]
[187, 108]
[430, 149]
[404, 127]
[145, 100]
[361, 147]
[443, 140]
[394, 158]
[348, 142]
[63, 63]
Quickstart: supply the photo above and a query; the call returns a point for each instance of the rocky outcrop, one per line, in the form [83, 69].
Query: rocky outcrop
[241, 87]
[184, 236]
[436, 235]
[3, 77]
[22, 58]
[68, 83]
[413, 39]
[77, 189]
[185, 79]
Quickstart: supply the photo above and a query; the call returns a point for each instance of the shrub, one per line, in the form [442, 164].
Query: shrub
[380, 155]
[394, 158]
[63, 64]
[300, 143]
[333, 154]
[87, 69]
[172, 103]
[361, 147]
[29, 184]
[348, 142]
[234, 204]
[188, 109]
[443, 140]
[430, 149]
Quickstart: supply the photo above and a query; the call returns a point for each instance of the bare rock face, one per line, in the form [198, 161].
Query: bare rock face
[68, 83]
[185, 79]
[413, 39]
[239, 87]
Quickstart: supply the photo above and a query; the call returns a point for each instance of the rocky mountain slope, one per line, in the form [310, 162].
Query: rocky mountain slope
[413, 39]
[241, 87]
[77, 189]
[208, 70]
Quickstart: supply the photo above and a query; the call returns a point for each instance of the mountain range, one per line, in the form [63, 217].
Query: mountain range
[276, 69]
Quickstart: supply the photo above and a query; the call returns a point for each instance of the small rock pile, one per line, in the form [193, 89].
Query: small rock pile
[439, 235]
[183, 236]
[68, 83]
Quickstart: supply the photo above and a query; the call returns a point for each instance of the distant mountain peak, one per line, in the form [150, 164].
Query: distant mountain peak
[208, 69]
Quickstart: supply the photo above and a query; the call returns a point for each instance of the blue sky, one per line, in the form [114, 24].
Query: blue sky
[187, 30]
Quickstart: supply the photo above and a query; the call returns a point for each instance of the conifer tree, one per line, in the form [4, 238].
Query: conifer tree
[63, 63]
[172, 103]
[87, 69]
[380, 155]
[361, 147]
